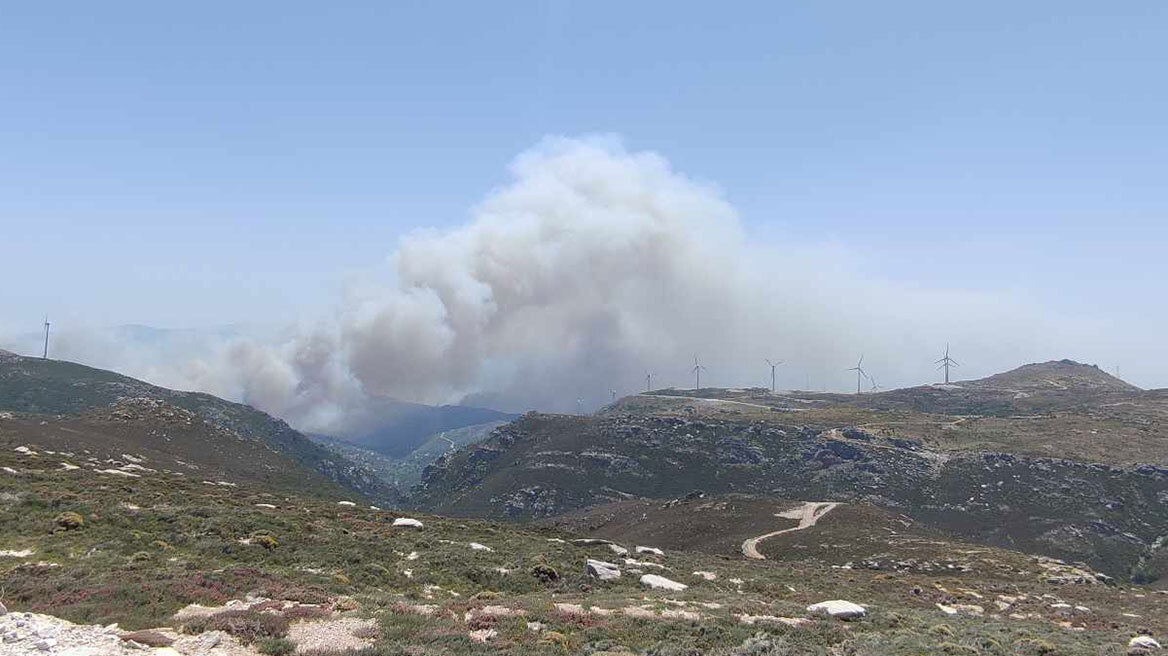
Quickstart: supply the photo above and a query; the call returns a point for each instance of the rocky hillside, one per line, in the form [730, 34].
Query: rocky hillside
[543, 465]
[87, 409]
[221, 570]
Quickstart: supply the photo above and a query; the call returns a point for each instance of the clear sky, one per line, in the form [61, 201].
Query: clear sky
[210, 163]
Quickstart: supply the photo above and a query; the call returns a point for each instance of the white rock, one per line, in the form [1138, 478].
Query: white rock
[618, 550]
[3, 610]
[406, 521]
[1143, 642]
[662, 583]
[480, 547]
[709, 576]
[838, 608]
[349, 504]
[483, 635]
[602, 570]
[265, 505]
[652, 550]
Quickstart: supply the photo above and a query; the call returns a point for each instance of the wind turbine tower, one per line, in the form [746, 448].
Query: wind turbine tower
[773, 365]
[697, 370]
[648, 382]
[860, 373]
[613, 395]
[945, 363]
[45, 355]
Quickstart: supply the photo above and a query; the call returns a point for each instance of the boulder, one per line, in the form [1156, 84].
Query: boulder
[661, 583]
[1143, 642]
[599, 569]
[406, 521]
[837, 608]
[650, 550]
[148, 638]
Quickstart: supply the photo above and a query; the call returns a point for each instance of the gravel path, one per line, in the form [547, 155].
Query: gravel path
[807, 514]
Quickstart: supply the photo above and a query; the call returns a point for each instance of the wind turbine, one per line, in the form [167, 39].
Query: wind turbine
[579, 406]
[945, 363]
[773, 365]
[860, 373]
[697, 371]
[45, 356]
[613, 395]
[648, 382]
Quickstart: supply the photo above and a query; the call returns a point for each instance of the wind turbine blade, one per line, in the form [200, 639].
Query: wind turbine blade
[953, 363]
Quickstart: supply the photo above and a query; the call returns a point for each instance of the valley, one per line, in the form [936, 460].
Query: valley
[666, 524]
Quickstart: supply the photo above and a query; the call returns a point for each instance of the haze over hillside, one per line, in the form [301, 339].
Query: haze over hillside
[590, 267]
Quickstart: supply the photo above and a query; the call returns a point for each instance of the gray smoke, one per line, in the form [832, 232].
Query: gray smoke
[591, 267]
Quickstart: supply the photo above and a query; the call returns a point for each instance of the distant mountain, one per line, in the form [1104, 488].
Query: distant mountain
[78, 408]
[396, 428]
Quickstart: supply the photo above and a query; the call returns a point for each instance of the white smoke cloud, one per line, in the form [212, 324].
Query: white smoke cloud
[591, 267]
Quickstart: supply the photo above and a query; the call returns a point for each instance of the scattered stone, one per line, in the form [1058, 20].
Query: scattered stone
[618, 550]
[1143, 642]
[348, 504]
[483, 635]
[265, 505]
[332, 635]
[3, 610]
[599, 569]
[709, 576]
[789, 621]
[650, 550]
[838, 608]
[406, 521]
[480, 547]
[661, 583]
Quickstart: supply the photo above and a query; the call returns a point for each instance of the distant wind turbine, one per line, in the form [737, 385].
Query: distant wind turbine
[648, 382]
[773, 365]
[45, 356]
[945, 363]
[613, 395]
[697, 370]
[579, 406]
[860, 373]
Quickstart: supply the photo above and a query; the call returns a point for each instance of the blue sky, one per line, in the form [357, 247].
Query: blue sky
[220, 163]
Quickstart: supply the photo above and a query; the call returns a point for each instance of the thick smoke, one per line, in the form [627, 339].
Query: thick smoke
[592, 267]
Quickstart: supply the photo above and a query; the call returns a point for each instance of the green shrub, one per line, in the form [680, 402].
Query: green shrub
[246, 625]
[275, 646]
[69, 521]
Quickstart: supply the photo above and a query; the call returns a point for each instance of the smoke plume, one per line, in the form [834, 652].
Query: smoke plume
[590, 268]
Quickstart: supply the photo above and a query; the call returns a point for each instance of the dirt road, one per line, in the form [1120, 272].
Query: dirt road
[807, 514]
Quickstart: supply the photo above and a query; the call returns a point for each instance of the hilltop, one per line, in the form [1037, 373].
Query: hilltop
[1056, 375]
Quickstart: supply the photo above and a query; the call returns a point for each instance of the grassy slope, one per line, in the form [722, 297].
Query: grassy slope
[32, 386]
[148, 546]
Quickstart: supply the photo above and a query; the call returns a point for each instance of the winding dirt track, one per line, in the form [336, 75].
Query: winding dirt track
[807, 514]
